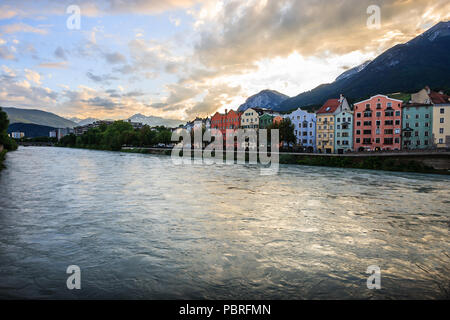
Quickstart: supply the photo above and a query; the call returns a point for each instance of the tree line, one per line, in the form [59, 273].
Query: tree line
[114, 136]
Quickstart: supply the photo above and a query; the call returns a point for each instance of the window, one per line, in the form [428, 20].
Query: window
[417, 116]
[441, 140]
[397, 140]
[397, 131]
[397, 113]
[442, 120]
[378, 114]
[358, 115]
[358, 140]
[389, 113]
[442, 110]
[389, 104]
[416, 134]
[427, 116]
[378, 123]
[389, 122]
[416, 124]
[367, 132]
[441, 130]
[388, 141]
[418, 142]
[358, 131]
[338, 126]
[338, 119]
[378, 105]
[426, 133]
[358, 123]
[377, 140]
[367, 123]
[397, 122]
[388, 131]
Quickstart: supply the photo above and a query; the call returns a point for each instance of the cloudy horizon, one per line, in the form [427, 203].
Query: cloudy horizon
[185, 58]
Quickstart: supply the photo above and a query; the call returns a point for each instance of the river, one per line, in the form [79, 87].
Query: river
[140, 227]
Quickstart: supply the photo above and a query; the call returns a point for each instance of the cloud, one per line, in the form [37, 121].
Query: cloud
[115, 58]
[100, 78]
[60, 53]
[54, 65]
[33, 76]
[21, 27]
[247, 31]
[6, 54]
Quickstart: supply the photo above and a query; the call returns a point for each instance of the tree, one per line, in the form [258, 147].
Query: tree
[7, 142]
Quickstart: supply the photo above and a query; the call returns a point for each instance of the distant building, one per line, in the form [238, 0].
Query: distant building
[377, 124]
[265, 120]
[417, 126]
[440, 115]
[229, 121]
[250, 118]
[17, 135]
[80, 130]
[343, 133]
[53, 134]
[277, 119]
[304, 128]
[325, 125]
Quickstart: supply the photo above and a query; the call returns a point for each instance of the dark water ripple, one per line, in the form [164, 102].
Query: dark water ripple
[140, 227]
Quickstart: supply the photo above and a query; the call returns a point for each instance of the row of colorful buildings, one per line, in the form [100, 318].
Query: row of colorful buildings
[378, 123]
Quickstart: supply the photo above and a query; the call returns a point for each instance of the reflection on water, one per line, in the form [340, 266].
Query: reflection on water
[140, 227]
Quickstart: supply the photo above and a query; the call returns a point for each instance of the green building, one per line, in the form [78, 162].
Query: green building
[417, 126]
[265, 121]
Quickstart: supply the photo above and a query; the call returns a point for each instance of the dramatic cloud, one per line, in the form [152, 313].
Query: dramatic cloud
[205, 55]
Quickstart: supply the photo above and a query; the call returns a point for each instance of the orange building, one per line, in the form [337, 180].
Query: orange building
[229, 121]
[377, 124]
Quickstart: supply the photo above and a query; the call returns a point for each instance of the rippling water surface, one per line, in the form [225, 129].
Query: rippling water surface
[140, 227]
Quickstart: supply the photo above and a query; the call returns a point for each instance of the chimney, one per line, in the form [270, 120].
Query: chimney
[226, 111]
[341, 98]
[428, 89]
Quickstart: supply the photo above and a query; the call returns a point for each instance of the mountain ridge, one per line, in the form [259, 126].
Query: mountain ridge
[405, 67]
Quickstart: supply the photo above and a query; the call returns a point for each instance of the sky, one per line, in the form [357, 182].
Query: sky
[181, 59]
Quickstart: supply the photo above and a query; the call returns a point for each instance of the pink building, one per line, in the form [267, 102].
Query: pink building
[377, 124]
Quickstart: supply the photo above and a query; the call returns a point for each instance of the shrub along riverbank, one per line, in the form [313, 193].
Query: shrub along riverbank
[6, 143]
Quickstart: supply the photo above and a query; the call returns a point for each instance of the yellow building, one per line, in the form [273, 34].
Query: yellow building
[441, 125]
[325, 129]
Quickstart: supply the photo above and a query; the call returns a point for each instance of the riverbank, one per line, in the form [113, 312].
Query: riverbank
[433, 162]
[2, 158]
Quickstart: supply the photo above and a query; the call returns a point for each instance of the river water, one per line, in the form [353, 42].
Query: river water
[140, 227]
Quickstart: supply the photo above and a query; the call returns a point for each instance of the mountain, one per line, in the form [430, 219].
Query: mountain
[154, 121]
[406, 67]
[40, 117]
[353, 71]
[83, 122]
[265, 99]
[30, 130]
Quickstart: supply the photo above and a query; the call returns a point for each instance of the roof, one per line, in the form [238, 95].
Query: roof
[330, 106]
[379, 95]
[439, 98]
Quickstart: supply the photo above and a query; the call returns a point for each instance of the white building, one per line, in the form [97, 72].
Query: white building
[17, 135]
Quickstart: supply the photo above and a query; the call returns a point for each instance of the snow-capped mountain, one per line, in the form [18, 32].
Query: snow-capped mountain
[409, 67]
[153, 121]
[353, 71]
[265, 99]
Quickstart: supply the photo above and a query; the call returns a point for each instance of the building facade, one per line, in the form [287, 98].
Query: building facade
[417, 126]
[343, 133]
[304, 128]
[377, 124]
[325, 125]
[250, 118]
[229, 121]
[265, 120]
[441, 125]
